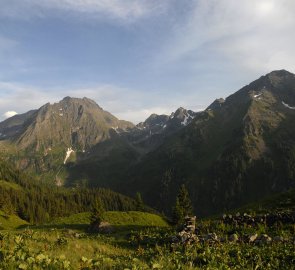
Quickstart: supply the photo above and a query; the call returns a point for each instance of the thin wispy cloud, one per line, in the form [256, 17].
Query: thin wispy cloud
[124, 10]
[253, 34]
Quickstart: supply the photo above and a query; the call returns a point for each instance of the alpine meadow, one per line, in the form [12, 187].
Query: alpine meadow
[117, 150]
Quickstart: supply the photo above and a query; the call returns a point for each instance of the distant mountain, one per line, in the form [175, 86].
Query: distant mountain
[12, 126]
[236, 151]
[107, 163]
[151, 133]
[43, 140]
[72, 122]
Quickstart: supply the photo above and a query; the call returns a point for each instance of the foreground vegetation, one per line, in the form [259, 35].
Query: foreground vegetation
[139, 243]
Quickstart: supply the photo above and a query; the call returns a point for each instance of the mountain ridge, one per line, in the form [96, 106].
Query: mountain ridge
[236, 150]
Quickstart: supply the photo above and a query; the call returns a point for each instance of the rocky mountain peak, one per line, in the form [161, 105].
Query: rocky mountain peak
[71, 122]
[183, 116]
[216, 104]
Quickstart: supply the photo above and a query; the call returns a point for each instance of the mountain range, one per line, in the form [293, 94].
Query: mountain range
[236, 151]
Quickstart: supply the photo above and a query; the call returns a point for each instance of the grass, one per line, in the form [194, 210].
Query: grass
[135, 218]
[10, 185]
[8, 222]
[120, 220]
[146, 248]
[283, 202]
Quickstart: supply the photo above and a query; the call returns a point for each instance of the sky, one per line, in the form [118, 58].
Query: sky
[137, 57]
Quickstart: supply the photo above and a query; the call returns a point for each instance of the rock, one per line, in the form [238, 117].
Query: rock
[211, 237]
[265, 239]
[105, 227]
[278, 239]
[233, 238]
[190, 224]
[253, 237]
[78, 235]
[187, 234]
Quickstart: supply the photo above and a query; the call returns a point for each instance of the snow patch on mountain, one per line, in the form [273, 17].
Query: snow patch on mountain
[288, 106]
[116, 129]
[185, 120]
[68, 154]
[258, 95]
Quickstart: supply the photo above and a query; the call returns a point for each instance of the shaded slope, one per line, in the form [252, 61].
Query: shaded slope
[230, 154]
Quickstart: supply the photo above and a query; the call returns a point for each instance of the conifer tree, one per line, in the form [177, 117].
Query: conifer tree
[183, 206]
[96, 215]
[139, 202]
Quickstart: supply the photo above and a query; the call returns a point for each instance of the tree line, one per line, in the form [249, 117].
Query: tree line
[38, 203]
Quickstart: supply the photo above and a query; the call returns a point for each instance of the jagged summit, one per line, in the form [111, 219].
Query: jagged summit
[72, 122]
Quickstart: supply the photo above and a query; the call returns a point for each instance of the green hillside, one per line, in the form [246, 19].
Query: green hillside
[116, 218]
[283, 202]
[8, 222]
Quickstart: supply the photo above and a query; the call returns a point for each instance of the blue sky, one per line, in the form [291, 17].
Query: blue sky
[136, 57]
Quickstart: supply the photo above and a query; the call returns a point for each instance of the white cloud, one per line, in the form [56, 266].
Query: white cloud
[127, 10]
[9, 114]
[254, 36]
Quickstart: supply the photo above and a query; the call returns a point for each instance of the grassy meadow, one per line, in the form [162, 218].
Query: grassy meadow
[141, 240]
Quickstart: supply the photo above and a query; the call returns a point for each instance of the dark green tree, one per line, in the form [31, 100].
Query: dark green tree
[183, 206]
[96, 215]
[139, 202]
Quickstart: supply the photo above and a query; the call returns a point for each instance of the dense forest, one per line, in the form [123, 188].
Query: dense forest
[39, 203]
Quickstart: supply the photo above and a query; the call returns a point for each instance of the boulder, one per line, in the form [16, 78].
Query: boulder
[265, 239]
[253, 237]
[105, 227]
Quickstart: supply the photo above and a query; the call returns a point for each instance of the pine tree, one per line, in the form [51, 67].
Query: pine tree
[183, 206]
[96, 215]
[139, 202]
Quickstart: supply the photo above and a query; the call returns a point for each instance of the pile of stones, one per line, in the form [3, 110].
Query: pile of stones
[267, 219]
[187, 234]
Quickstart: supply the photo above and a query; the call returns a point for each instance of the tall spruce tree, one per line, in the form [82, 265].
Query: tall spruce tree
[96, 215]
[183, 206]
[139, 202]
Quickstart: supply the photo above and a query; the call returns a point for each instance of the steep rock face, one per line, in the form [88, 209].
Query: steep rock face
[73, 122]
[236, 151]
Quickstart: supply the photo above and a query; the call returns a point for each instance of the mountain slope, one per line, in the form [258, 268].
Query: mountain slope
[72, 122]
[44, 140]
[238, 151]
[108, 163]
[12, 126]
